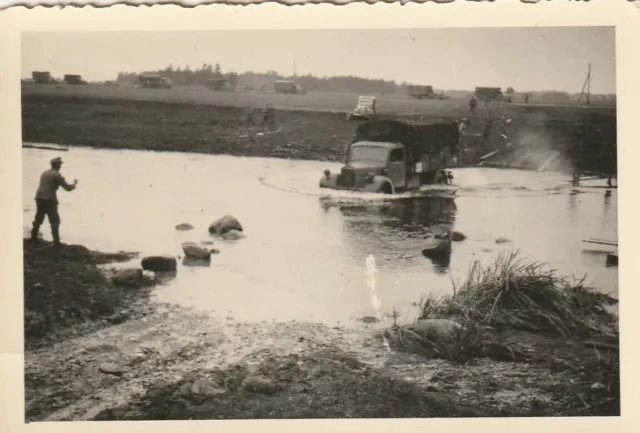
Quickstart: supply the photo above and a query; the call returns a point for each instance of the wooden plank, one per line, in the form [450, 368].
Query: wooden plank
[601, 241]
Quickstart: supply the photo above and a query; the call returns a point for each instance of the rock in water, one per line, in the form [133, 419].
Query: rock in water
[196, 251]
[457, 236]
[224, 225]
[184, 227]
[128, 277]
[233, 235]
[159, 263]
[436, 248]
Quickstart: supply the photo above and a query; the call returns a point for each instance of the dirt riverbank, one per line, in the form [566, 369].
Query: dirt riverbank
[127, 357]
[301, 134]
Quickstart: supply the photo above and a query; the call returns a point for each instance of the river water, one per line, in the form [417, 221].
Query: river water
[306, 251]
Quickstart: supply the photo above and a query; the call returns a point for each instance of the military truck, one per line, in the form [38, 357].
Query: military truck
[288, 87]
[390, 156]
[154, 81]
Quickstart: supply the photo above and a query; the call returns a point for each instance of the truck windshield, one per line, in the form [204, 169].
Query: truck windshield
[368, 153]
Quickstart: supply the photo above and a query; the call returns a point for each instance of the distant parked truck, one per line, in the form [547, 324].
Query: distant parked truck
[288, 87]
[42, 77]
[74, 79]
[491, 94]
[153, 81]
[218, 84]
[420, 92]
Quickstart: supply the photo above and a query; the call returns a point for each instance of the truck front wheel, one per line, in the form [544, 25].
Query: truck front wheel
[386, 189]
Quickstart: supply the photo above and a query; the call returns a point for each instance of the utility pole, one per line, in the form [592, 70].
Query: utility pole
[586, 86]
[295, 71]
[86, 78]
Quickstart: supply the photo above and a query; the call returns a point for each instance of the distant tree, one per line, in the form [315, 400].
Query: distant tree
[510, 91]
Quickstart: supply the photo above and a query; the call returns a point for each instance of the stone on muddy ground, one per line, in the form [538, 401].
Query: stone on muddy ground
[111, 368]
[233, 235]
[206, 388]
[259, 384]
[207, 242]
[184, 227]
[224, 225]
[131, 277]
[159, 263]
[195, 251]
[439, 330]
[457, 236]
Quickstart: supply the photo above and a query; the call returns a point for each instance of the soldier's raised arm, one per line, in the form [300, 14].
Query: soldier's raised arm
[65, 185]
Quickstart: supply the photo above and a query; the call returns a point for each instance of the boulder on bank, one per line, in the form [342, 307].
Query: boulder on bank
[184, 227]
[131, 277]
[196, 251]
[436, 330]
[159, 263]
[224, 225]
[233, 235]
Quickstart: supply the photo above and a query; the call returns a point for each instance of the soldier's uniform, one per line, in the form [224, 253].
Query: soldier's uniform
[47, 200]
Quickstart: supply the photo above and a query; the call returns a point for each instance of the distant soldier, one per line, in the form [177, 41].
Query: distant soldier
[473, 103]
[47, 200]
[488, 127]
[268, 117]
[249, 116]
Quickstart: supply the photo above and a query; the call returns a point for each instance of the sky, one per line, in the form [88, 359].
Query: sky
[528, 59]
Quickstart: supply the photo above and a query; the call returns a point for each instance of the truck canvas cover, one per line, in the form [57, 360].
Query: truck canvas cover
[418, 139]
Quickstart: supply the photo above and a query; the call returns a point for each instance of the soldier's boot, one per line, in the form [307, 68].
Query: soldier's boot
[55, 233]
[34, 232]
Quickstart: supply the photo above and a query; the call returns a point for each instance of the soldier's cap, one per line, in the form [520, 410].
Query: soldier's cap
[56, 160]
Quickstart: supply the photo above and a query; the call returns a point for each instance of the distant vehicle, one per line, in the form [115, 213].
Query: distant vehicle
[491, 94]
[389, 156]
[288, 87]
[74, 79]
[420, 92]
[365, 109]
[154, 81]
[218, 84]
[111, 84]
[42, 77]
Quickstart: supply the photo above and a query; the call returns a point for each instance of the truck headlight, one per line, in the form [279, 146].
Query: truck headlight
[369, 177]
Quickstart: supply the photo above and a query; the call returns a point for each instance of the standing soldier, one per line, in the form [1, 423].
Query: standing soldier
[473, 103]
[268, 117]
[47, 200]
[249, 115]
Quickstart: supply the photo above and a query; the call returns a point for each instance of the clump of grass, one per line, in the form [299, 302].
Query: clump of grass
[527, 296]
[508, 294]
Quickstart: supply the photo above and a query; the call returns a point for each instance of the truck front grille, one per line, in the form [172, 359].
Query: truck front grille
[347, 177]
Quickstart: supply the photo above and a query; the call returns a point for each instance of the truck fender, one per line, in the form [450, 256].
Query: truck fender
[329, 182]
[378, 185]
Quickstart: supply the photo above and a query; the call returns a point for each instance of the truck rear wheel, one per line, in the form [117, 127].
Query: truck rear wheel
[386, 189]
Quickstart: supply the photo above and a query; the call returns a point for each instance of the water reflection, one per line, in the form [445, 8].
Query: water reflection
[401, 229]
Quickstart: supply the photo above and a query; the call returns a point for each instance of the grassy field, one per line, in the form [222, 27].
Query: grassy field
[313, 126]
[340, 102]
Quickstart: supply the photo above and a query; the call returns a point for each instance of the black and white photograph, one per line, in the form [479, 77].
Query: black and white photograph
[352, 223]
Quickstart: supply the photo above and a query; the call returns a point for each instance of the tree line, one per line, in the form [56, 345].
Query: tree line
[202, 76]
